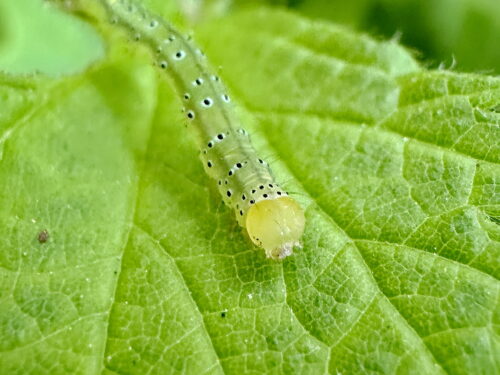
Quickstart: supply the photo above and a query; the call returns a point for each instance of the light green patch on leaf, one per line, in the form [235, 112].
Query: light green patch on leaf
[33, 37]
[445, 32]
[146, 271]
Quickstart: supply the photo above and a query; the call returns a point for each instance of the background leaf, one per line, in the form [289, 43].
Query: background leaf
[462, 34]
[35, 38]
[145, 271]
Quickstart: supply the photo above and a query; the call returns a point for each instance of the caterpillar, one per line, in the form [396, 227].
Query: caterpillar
[273, 219]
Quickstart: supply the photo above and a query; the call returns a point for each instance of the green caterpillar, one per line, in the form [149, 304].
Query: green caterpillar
[273, 220]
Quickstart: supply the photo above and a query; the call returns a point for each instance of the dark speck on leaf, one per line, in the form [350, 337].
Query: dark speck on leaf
[43, 236]
[223, 314]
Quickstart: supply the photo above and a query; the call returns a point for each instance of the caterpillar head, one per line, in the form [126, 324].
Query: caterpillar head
[276, 225]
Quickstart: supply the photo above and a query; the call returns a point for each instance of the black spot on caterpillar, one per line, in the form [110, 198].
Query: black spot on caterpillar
[273, 220]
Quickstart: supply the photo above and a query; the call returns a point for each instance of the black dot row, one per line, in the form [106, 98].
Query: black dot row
[220, 137]
[229, 192]
[231, 172]
[207, 103]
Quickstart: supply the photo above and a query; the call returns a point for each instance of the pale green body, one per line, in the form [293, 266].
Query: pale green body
[243, 178]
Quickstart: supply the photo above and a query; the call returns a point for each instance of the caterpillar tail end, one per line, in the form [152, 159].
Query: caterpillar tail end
[276, 225]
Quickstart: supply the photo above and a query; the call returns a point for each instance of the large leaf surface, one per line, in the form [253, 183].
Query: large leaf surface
[145, 271]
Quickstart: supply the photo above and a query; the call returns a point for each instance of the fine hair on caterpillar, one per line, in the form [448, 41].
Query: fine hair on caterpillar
[273, 219]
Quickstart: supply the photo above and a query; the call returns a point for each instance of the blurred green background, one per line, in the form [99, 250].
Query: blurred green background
[35, 38]
[463, 35]
[459, 34]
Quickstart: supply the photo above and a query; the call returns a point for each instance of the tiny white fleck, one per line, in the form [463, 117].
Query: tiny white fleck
[405, 139]
[250, 296]
[87, 279]
[108, 358]
[90, 345]
[129, 348]
[33, 220]
[25, 253]
[126, 302]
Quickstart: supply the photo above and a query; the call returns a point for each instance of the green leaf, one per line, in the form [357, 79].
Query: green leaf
[145, 271]
[445, 31]
[35, 38]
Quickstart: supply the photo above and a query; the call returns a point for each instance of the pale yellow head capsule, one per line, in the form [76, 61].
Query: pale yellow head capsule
[276, 225]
